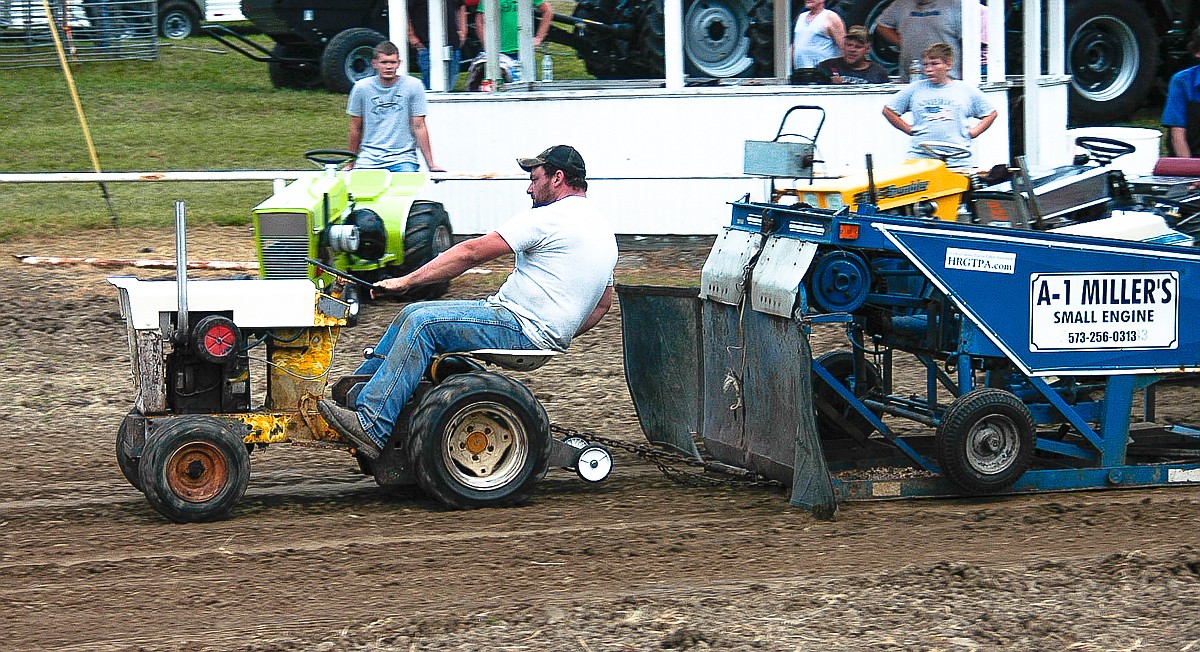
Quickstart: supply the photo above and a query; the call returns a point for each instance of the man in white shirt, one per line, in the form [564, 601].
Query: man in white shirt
[560, 287]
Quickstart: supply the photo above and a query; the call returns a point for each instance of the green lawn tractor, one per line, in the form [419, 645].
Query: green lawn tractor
[365, 222]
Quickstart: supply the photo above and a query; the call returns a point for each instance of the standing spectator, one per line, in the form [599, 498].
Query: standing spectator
[1181, 115]
[509, 44]
[817, 36]
[853, 67]
[916, 24]
[387, 117]
[456, 36]
[941, 106]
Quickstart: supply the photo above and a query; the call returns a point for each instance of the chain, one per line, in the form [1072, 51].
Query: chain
[670, 463]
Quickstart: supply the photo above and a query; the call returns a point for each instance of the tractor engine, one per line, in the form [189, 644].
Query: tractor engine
[209, 372]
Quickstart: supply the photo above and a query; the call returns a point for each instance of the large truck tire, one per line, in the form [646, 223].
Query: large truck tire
[299, 76]
[347, 58]
[1112, 56]
[716, 41]
[178, 19]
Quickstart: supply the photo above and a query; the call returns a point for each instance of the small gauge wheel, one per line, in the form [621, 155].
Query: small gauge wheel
[595, 463]
[575, 442]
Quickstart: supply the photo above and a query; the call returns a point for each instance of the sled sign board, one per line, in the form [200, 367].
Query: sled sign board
[1103, 311]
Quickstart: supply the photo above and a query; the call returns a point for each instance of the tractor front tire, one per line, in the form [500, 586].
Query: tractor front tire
[985, 440]
[194, 469]
[479, 440]
[427, 233]
[347, 58]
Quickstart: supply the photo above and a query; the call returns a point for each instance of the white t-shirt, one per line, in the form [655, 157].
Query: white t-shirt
[811, 43]
[566, 253]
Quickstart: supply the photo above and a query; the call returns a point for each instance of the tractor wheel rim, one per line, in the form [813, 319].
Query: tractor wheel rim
[486, 446]
[197, 472]
[1103, 57]
[993, 444]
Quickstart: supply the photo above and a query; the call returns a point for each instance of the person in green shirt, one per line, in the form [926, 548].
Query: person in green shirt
[508, 26]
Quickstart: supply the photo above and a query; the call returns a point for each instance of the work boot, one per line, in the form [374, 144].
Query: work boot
[346, 423]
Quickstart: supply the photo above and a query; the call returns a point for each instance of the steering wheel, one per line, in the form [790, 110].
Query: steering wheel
[323, 157]
[1104, 150]
[944, 150]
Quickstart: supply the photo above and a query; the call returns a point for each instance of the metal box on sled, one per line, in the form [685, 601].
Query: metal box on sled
[1032, 348]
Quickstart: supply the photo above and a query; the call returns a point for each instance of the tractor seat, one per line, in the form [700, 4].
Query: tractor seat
[514, 359]
[1177, 167]
[448, 364]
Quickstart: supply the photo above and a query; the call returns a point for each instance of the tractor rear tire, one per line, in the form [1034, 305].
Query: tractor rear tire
[479, 440]
[427, 233]
[195, 469]
[985, 440]
[127, 463]
[347, 58]
[298, 76]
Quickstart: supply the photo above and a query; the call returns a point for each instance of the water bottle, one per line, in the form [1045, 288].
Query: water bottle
[547, 68]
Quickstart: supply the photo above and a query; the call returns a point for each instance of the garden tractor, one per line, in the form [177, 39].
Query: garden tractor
[469, 437]
[938, 188]
[367, 222]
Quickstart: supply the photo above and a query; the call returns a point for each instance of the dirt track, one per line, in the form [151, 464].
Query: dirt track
[319, 558]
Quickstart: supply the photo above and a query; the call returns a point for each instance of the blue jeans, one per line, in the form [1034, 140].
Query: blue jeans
[451, 72]
[419, 333]
[404, 166]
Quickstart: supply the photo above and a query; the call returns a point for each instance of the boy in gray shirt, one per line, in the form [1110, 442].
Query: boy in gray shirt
[941, 106]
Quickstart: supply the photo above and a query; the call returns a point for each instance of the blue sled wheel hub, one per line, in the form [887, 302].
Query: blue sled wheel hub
[840, 282]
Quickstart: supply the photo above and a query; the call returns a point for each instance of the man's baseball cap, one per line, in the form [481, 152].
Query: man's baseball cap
[860, 34]
[563, 157]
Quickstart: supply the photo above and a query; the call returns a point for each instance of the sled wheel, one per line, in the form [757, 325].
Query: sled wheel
[985, 440]
[595, 463]
[347, 58]
[479, 440]
[427, 233]
[849, 423]
[127, 462]
[194, 469]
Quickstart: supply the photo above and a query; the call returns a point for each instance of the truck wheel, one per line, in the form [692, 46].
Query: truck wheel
[479, 440]
[841, 365]
[127, 463]
[178, 19]
[985, 440]
[194, 469]
[300, 76]
[866, 13]
[347, 58]
[715, 40]
[1112, 55]
[427, 233]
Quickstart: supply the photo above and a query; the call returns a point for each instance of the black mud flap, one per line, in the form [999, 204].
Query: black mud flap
[739, 377]
[661, 327]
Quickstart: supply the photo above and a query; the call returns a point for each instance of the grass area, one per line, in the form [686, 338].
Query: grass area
[198, 107]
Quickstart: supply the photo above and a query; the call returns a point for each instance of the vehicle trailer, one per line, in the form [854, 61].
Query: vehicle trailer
[1034, 356]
